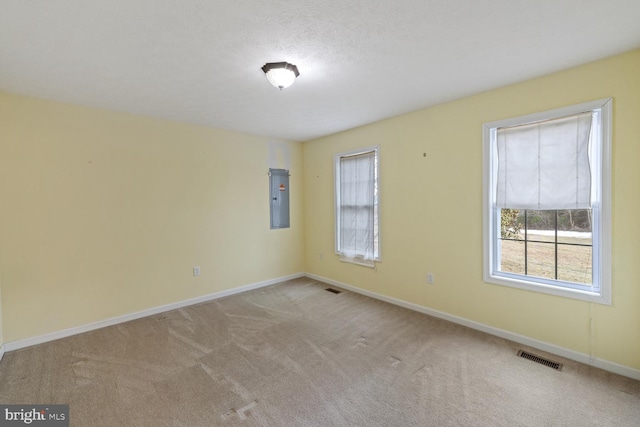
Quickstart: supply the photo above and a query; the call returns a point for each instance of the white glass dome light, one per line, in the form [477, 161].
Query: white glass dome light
[280, 74]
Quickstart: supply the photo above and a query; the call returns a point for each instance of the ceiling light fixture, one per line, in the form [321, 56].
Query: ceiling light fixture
[280, 74]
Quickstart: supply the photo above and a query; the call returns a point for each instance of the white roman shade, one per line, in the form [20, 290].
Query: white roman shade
[545, 165]
[357, 210]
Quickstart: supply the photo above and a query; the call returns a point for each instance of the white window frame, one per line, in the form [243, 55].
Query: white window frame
[601, 208]
[336, 170]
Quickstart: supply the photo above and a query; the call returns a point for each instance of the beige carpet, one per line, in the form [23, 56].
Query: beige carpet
[296, 355]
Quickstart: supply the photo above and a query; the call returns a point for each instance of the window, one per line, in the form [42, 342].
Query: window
[547, 202]
[357, 219]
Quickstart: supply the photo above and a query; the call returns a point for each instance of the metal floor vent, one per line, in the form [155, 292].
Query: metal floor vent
[333, 291]
[541, 360]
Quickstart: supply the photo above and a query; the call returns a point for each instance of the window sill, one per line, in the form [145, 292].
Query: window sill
[357, 262]
[539, 287]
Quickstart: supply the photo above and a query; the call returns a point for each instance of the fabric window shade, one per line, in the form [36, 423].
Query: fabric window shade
[357, 211]
[545, 165]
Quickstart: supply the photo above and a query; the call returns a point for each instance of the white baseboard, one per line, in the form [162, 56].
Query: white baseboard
[541, 345]
[16, 345]
[1, 351]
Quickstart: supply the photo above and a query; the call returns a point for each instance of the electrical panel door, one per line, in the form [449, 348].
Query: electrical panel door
[279, 198]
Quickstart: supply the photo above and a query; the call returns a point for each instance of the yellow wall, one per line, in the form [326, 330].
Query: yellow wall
[431, 212]
[105, 214]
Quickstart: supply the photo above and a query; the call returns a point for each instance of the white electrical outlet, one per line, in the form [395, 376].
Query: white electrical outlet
[430, 278]
[196, 271]
[321, 257]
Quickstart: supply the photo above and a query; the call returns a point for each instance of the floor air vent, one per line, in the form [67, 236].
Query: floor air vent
[541, 360]
[333, 291]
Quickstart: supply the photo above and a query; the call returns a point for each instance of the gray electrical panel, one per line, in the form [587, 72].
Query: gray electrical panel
[279, 198]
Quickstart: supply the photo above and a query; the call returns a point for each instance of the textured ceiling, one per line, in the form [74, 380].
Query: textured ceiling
[198, 61]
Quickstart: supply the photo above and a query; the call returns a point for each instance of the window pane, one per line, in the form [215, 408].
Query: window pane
[540, 221]
[540, 225]
[574, 264]
[574, 226]
[510, 225]
[541, 260]
[512, 256]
